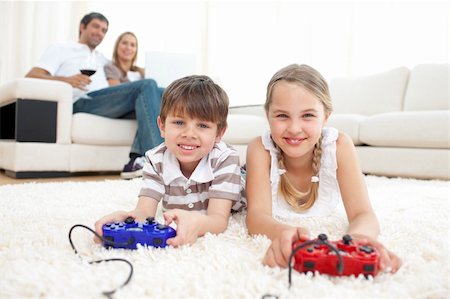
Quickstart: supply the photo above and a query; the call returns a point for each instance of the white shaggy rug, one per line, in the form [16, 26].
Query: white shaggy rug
[36, 260]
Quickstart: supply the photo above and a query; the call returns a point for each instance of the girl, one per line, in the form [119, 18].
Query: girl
[301, 168]
[123, 66]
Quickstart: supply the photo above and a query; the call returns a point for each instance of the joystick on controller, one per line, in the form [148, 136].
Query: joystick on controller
[344, 257]
[129, 233]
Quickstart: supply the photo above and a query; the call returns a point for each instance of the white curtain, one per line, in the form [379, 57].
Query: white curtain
[28, 27]
[242, 43]
[249, 41]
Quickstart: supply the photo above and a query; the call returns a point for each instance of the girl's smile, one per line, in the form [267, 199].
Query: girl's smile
[294, 141]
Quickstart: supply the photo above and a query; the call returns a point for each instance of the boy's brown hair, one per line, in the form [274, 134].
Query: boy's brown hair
[196, 96]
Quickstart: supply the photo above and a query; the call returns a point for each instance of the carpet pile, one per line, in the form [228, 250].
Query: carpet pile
[36, 260]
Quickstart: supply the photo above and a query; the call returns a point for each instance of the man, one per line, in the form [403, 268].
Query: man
[92, 94]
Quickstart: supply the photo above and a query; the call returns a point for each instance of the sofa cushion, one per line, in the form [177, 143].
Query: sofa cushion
[98, 130]
[244, 127]
[428, 88]
[347, 123]
[415, 129]
[370, 95]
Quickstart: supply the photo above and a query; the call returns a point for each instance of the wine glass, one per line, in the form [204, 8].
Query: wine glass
[89, 66]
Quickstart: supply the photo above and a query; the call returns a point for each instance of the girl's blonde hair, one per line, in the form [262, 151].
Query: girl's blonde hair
[310, 79]
[115, 57]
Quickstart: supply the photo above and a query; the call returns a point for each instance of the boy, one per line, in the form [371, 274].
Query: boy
[194, 173]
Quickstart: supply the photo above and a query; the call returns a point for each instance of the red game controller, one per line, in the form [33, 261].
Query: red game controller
[338, 258]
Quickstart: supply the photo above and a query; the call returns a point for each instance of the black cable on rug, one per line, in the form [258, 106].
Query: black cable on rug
[320, 241]
[108, 294]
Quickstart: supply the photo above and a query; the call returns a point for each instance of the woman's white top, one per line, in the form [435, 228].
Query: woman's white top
[134, 76]
[329, 194]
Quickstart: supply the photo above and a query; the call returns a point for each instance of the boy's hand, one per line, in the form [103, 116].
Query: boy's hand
[118, 216]
[389, 261]
[281, 247]
[187, 226]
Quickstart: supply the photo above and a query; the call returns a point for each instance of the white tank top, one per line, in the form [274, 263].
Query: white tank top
[329, 194]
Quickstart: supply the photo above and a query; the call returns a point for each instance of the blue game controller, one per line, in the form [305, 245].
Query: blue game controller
[129, 233]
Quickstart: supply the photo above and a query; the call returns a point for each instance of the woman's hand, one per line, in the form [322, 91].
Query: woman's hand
[281, 247]
[389, 261]
[187, 226]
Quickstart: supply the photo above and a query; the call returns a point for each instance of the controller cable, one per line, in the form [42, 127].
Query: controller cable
[322, 240]
[108, 294]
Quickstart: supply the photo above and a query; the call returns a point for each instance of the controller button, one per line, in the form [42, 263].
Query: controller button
[190, 205]
[309, 265]
[108, 225]
[150, 220]
[188, 191]
[368, 268]
[129, 220]
[366, 249]
[347, 239]
[323, 237]
[310, 249]
[157, 241]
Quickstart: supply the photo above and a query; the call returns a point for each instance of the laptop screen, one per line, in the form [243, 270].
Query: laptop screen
[165, 67]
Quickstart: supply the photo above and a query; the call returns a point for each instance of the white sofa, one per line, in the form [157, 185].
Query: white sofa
[398, 120]
[37, 143]
[82, 143]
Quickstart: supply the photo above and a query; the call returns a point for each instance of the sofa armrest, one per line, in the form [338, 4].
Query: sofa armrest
[43, 90]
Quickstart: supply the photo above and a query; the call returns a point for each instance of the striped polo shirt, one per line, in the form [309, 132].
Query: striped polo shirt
[217, 175]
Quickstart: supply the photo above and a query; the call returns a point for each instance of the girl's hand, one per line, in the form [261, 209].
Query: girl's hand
[187, 226]
[389, 261]
[118, 216]
[281, 247]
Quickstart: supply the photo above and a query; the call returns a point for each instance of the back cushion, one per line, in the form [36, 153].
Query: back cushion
[370, 95]
[428, 88]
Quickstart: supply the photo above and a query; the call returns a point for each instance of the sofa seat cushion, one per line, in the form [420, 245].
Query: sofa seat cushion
[414, 129]
[244, 127]
[347, 123]
[98, 130]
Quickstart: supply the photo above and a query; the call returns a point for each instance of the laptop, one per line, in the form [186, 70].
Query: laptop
[165, 67]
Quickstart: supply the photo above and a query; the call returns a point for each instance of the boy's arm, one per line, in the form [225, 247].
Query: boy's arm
[193, 224]
[216, 219]
[146, 207]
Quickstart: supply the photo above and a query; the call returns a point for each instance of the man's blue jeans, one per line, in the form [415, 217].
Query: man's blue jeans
[142, 97]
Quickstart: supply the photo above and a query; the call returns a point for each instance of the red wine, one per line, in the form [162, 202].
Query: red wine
[88, 72]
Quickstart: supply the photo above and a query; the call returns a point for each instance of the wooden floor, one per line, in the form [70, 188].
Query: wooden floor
[4, 180]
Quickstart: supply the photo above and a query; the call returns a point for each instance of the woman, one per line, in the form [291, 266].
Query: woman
[122, 68]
